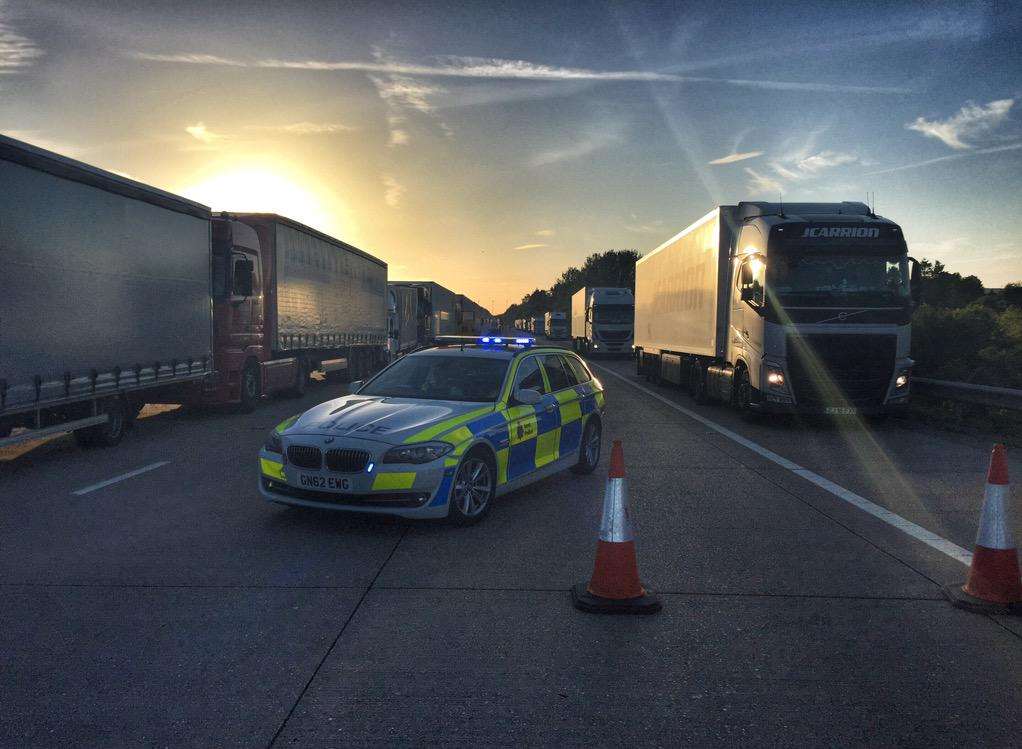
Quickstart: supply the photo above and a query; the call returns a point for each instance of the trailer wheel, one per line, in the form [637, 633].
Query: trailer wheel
[250, 388]
[109, 433]
[742, 395]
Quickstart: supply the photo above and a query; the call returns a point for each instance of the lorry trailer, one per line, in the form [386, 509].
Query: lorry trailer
[443, 307]
[769, 307]
[602, 319]
[408, 314]
[115, 294]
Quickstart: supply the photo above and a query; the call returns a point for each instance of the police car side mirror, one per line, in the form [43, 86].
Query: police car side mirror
[355, 386]
[528, 397]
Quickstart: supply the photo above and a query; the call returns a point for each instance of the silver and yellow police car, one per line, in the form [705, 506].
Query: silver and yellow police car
[441, 432]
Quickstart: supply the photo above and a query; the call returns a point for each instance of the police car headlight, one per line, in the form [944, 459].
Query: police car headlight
[273, 443]
[423, 452]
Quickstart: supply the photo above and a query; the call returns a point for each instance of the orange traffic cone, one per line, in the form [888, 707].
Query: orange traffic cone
[615, 587]
[994, 585]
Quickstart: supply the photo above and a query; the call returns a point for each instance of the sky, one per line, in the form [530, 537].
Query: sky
[490, 146]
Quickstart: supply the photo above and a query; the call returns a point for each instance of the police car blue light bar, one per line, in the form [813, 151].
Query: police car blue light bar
[486, 340]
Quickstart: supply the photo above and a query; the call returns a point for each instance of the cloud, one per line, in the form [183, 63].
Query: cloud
[530, 246]
[823, 160]
[201, 133]
[653, 227]
[731, 158]
[304, 128]
[501, 69]
[403, 96]
[762, 183]
[949, 157]
[393, 192]
[579, 146]
[545, 233]
[16, 51]
[969, 121]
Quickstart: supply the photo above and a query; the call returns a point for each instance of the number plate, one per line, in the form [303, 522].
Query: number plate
[323, 483]
[841, 410]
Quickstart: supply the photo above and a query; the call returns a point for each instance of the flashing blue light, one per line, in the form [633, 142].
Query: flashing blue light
[498, 340]
[525, 341]
[370, 467]
[485, 339]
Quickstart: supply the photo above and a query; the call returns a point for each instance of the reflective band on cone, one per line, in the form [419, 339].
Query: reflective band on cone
[615, 587]
[994, 584]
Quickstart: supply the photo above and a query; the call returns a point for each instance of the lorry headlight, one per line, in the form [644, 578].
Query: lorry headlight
[901, 381]
[423, 452]
[273, 443]
[775, 378]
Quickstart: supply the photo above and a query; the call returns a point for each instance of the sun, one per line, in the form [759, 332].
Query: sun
[262, 189]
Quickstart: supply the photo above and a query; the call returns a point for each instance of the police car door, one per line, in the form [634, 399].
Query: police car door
[522, 422]
[560, 415]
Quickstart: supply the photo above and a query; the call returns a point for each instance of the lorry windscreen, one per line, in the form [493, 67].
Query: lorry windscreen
[838, 280]
[613, 314]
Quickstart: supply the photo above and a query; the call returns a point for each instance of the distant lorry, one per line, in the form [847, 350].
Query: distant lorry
[443, 308]
[555, 325]
[115, 294]
[536, 326]
[409, 317]
[602, 319]
[794, 307]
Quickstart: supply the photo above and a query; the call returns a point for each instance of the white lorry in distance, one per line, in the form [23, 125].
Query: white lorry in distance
[602, 319]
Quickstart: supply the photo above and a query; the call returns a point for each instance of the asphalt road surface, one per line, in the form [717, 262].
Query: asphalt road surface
[174, 607]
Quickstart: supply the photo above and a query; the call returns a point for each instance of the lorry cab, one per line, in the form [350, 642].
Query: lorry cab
[611, 317]
[820, 305]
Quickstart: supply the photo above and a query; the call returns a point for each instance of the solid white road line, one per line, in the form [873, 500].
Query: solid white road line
[893, 519]
[122, 477]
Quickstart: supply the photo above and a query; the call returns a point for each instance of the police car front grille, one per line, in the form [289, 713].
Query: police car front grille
[347, 461]
[304, 456]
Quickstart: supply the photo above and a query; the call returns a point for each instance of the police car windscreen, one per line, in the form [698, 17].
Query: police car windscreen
[451, 378]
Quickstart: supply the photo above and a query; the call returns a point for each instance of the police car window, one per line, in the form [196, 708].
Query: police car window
[437, 377]
[555, 372]
[575, 368]
[529, 376]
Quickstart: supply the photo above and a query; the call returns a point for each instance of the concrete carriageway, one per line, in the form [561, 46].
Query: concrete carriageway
[174, 606]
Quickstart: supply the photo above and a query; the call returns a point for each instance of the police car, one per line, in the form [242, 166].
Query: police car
[441, 432]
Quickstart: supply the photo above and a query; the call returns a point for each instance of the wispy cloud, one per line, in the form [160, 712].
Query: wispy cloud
[545, 233]
[971, 120]
[402, 95]
[949, 157]
[731, 158]
[16, 51]
[762, 183]
[653, 227]
[580, 146]
[203, 134]
[497, 68]
[394, 191]
[303, 128]
[530, 246]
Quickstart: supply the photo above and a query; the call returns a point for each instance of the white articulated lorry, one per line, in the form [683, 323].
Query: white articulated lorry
[796, 307]
[601, 320]
[555, 325]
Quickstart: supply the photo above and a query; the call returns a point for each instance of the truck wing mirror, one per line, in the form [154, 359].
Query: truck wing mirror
[748, 294]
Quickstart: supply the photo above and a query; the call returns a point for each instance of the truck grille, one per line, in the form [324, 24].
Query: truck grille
[347, 461]
[304, 456]
[615, 335]
[838, 370]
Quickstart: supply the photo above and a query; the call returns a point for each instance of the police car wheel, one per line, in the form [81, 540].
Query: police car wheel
[473, 489]
[589, 454]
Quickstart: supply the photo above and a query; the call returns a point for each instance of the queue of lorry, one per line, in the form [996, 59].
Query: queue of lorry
[116, 294]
